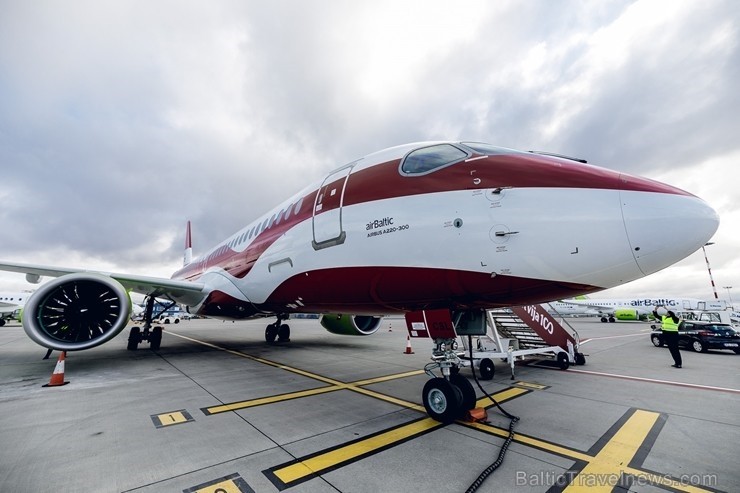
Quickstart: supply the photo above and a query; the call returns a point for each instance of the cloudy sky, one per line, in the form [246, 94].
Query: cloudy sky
[121, 120]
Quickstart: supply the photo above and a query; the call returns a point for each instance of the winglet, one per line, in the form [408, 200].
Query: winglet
[188, 247]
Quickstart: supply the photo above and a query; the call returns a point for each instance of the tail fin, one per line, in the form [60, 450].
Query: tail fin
[188, 247]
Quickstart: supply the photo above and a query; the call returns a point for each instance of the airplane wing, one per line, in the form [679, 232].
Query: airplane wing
[146, 285]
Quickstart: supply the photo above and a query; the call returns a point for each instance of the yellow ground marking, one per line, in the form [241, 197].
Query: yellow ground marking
[171, 418]
[227, 484]
[606, 467]
[610, 459]
[530, 385]
[319, 463]
[333, 458]
[353, 386]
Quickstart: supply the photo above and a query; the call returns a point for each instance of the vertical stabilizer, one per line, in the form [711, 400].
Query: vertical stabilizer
[188, 247]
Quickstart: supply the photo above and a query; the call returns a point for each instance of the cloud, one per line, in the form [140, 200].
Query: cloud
[120, 121]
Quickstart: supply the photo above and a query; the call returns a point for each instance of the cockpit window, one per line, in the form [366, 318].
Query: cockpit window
[488, 149]
[430, 158]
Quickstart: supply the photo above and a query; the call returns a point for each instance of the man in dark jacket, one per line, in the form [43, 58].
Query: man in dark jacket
[670, 334]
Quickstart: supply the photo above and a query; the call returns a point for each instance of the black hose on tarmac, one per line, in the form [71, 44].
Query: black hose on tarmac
[513, 419]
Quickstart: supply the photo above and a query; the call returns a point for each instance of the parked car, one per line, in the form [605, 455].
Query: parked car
[700, 336]
[167, 319]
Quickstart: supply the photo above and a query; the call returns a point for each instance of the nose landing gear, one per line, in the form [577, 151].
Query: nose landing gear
[450, 396]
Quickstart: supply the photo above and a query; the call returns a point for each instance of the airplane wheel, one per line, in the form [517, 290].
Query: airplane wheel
[284, 333]
[2, 322]
[563, 362]
[271, 333]
[134, 336]
[487, 369]
[155, 339]
[441, 401]
[467, 392]
[580, 359]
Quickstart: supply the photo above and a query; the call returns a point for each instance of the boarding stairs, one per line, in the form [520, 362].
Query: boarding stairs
[520, 332]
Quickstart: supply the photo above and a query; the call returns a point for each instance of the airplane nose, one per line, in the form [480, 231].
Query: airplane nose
[665, 225]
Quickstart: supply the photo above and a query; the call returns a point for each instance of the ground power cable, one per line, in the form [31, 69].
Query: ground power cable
[505, 446]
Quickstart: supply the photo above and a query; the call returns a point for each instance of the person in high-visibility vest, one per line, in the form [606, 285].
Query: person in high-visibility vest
[670, 334]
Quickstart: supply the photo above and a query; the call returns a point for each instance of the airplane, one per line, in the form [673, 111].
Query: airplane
[613, 309]
[11, 305]
[448, 225]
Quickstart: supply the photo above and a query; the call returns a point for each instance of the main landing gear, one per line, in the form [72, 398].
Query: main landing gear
[147, 332]
[278, 330]
[450, 396]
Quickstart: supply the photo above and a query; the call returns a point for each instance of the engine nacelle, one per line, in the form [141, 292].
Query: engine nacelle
[351, 325]
[76, 312]
[626, 314]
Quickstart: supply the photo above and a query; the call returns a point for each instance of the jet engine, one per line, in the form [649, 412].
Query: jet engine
[76, 311]
[626, 314]
[351, 325]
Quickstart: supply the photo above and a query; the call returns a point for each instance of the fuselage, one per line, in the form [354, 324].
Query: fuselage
[447, 224]
[641, 306]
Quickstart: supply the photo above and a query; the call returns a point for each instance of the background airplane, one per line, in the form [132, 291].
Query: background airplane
[459, 226]
[613, 309]
[11, 305]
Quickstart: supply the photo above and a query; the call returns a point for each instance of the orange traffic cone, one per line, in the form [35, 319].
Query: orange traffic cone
[408, 346]
[57, 378]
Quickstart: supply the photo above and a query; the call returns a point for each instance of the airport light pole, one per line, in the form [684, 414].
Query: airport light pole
[709, 269]
[728, 288]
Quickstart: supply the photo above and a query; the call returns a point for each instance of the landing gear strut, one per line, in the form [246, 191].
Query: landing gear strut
[278, 330]
[450, 396]
[147, 332]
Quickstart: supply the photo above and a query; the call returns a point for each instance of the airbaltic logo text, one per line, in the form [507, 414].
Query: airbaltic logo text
[379, 223]
[654, 302]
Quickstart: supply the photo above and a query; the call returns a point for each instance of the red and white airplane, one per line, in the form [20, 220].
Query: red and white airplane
[458, 225]
[455, 225]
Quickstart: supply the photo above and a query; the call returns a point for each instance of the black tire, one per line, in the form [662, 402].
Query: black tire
[563, 362]
[2, 322]
[604, 320]
[657, 340]
[580, 359]
[177, 320]
[468, 398]
[612, 320]
[155, 339]
[698, 346]
[271, 333]
[487, 370]
[284, 333]
[441, 401]
[134, 337]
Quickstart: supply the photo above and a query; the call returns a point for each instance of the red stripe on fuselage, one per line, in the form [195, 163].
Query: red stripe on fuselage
[384, 181]
[372, 290]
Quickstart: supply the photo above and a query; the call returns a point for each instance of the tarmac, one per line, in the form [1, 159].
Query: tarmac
[218, 410]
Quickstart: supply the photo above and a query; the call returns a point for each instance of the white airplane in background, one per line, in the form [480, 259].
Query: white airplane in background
[11, 305]
[613, 309]
[458, 226]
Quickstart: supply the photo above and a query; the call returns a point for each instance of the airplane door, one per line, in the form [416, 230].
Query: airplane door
[327, 211]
